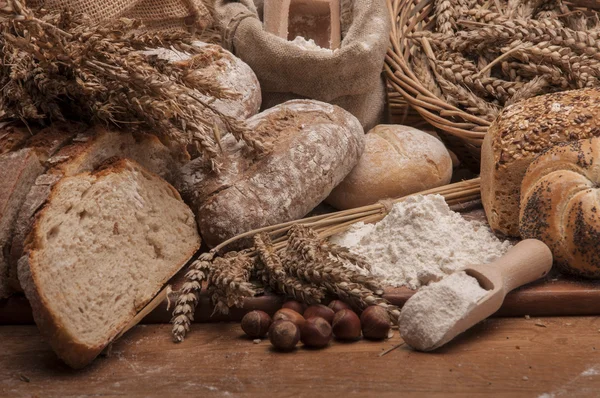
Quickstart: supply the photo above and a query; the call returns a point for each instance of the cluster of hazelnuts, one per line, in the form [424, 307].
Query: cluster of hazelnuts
[316, 325]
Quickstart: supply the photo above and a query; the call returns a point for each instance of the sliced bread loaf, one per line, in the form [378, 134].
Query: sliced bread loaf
[100, 249]
[88, 151]
[18, 171]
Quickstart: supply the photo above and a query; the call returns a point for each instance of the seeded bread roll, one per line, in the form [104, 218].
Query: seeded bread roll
[101, 248]
[314, 146]
[518, 135]
[560, 205]
[397, 161]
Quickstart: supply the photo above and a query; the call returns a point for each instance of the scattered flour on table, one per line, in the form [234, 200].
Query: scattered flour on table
[421, 240]
[434, 309]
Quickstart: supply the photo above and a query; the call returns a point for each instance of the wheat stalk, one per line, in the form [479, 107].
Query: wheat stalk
[103, 77]
[275, 261]
[272, 273]
[183, 315]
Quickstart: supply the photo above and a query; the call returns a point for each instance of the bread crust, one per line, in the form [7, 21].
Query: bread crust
[67, 346]
[522, 132]
[315, 145]
[560, 205]
[13, 137]
[88, 151]
[397, 161]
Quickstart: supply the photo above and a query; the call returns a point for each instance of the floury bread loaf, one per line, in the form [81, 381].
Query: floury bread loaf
[87, 151]
[242, 96]
[522, 132]
[397, 161]
[101, 248]
[314, 145]
[560, 205]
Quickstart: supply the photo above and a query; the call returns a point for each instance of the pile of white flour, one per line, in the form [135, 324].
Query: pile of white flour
[421, 240]
[435, 309]
[309, 44]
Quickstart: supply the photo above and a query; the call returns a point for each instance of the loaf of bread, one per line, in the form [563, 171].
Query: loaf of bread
[560, 205]
[521, 132]
[89, 150]
[18, 171]
[242, 97]
[101, 248]
[314, 145]
[397, 161]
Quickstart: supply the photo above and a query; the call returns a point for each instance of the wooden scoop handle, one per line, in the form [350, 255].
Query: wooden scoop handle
[527, 261]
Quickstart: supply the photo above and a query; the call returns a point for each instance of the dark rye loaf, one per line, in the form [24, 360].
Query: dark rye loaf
[314, 146]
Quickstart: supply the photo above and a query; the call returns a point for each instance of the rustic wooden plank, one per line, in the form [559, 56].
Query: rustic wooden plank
[501, 357]
[554, 296]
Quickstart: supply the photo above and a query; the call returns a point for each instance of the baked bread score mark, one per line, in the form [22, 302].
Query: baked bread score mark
[560, 205]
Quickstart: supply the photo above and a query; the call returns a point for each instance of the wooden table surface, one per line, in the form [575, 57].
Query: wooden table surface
[537, 357]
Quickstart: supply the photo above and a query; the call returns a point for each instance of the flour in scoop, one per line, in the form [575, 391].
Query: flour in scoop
[421, 240]
[435, 309]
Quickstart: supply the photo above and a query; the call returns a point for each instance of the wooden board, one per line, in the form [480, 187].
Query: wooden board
[551, 297]
[499, 358]
[555, 295]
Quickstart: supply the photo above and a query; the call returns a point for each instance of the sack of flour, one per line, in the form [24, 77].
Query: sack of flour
[157, 15]
[349, 76]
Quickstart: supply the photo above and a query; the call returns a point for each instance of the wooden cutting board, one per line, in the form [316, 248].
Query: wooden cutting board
[553, 296]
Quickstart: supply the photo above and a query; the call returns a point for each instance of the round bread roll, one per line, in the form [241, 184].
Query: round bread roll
[397, 161]
[560, 205]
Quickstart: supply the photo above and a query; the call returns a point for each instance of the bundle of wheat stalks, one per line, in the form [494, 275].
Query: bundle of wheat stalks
[295, 259]
[60, 65]
[483, 55]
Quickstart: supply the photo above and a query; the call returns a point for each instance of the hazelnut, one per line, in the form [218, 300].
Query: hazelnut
[284, 335]
[320, 311]
[287, 314]
[376, 323]
[256, 324]
[346, 325]
[294, 305]
[338, 305]
[316, 332]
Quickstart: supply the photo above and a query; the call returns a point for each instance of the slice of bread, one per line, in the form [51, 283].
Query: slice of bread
[88, 151]
[18, 172]
[100, 249]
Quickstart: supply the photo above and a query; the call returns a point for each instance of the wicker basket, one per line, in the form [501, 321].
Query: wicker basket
[462, 131]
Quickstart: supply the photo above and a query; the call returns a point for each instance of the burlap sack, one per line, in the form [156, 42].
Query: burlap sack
[349, 77]
[162, 15]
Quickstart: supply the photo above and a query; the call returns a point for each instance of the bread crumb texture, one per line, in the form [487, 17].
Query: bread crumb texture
[103, 246]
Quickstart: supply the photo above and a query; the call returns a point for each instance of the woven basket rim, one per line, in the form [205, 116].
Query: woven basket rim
[406, 15]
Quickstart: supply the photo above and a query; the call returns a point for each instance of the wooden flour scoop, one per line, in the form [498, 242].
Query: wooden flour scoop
[526, 262]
